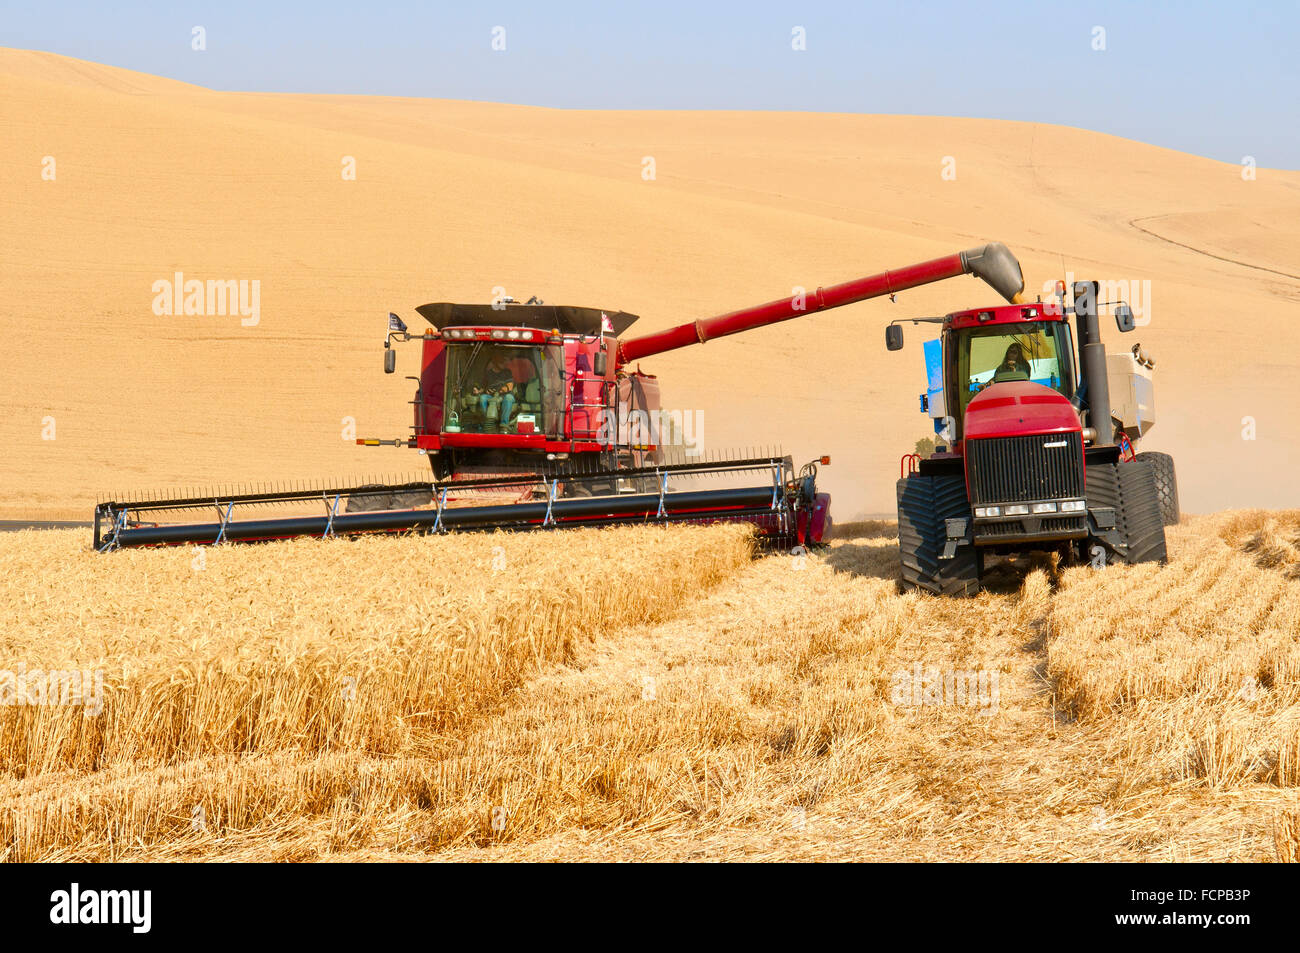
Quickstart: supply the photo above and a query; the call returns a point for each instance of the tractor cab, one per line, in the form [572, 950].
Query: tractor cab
[989, 346]
[514, 371]
[510, 387]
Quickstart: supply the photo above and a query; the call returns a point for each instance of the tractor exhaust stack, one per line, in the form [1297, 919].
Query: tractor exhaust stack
[1092, 360]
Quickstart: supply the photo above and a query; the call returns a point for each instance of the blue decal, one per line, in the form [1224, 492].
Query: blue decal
[934, 377]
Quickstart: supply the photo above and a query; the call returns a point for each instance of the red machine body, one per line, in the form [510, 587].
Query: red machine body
[570, 402]
[540, 406]
[574, 393]
[1010, 408]
[577, 429]
[1018, 407]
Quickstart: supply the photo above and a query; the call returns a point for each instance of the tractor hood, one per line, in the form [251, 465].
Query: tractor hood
[1017, 408]
[567, 320]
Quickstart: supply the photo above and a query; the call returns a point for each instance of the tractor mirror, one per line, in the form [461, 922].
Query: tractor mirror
[390, 361]
[599, 364]
[894, 337]
[1124, 318]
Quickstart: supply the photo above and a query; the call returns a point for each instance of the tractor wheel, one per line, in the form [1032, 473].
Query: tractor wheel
[1166, 485]
[371, 498]
[368, 499]
[1128, 487]
[924, 503]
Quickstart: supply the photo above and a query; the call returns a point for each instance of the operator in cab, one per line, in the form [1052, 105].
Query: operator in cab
[1013, 364]
[500, 382]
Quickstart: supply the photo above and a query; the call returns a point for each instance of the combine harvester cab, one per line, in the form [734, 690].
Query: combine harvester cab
[1035, 455]
[535, 416]
[518, 388]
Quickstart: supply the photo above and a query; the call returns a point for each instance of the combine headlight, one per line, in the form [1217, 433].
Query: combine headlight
[1018, 509]
[1044, 507]
[527, 335]
[498, 334]
[984, 512]
[1073, 506]
[513, 335]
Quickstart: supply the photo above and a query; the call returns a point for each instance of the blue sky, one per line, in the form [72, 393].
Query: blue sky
[1220, 80]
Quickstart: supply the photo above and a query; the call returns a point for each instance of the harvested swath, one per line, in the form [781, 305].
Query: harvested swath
[1210, 622]
[1195, 665]
[1272, 539]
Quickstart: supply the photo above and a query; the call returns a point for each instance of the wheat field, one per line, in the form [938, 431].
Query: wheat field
[650, 693]
[631, 693]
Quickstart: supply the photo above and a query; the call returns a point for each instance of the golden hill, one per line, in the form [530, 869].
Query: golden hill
[452, 199]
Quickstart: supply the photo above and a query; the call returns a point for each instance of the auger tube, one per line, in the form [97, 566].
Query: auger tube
[993, 262]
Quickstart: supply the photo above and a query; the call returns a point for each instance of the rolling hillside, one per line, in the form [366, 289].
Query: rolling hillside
[451, 199]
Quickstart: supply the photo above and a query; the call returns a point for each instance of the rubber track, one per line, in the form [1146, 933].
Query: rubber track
[1142, 523]
[1162, 464]
[924, 504]
[1129, 488]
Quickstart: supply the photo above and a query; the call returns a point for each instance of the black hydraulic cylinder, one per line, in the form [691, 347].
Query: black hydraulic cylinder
[644, 507]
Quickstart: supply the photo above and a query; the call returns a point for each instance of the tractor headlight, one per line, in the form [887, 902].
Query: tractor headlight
[1019, 509]
[1044, 507]
[984, 512]
[1073, 506]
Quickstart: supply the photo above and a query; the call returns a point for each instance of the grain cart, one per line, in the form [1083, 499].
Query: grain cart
[1034, 453]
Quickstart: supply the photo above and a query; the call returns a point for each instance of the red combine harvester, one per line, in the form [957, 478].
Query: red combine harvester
[1037, 457]
[532, 417]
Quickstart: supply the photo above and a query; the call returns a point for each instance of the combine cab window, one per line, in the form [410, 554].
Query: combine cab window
[1030, 351]
[502, 388]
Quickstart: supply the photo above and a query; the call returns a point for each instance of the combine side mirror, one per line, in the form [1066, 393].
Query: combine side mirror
[894, 337]
[1124, 318]
[390, 361]
[599, 364]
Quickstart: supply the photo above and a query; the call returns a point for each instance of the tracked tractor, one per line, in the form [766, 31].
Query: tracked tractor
[1036, 430]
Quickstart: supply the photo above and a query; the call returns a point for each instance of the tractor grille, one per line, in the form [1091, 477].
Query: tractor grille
[1020, 469]
[1055, 525]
